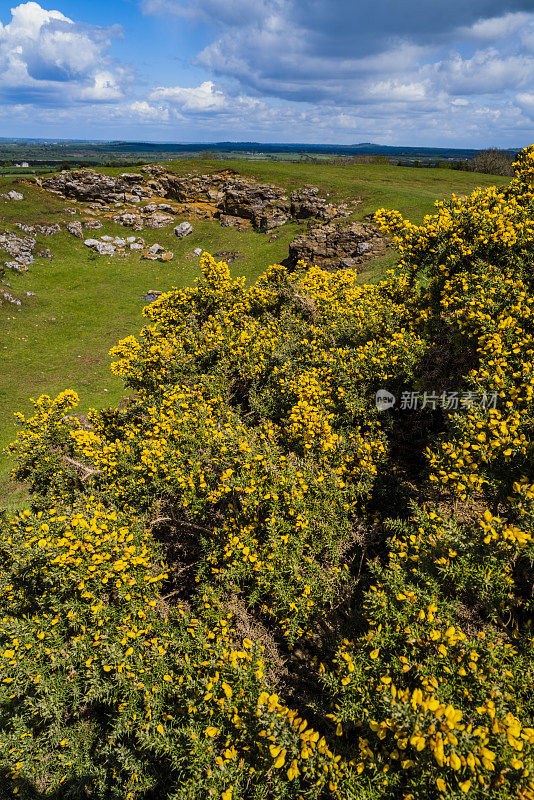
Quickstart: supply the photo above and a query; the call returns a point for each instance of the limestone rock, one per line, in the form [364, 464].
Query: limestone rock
[92, 224]
[128, 220]
[226, 194]
[335, 245]
[44, 230]
[104, 248]
[13, 195]
[48, 230]
[183, 229]
[75, 228]
[157, 220]
[20, 248]
[227, 221]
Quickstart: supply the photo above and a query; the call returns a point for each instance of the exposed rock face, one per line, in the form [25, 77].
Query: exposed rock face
[92, 186]
[336, 246]
[228, 221]
[222, 194]
[92, 224]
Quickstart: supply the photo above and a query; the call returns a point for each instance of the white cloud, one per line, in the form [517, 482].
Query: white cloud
[148, 113]
[47, 57]
[497, 28]
[202, 99]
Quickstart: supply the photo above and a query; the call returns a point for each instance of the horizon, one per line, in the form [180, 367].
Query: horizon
[243, 142]
[281, 71]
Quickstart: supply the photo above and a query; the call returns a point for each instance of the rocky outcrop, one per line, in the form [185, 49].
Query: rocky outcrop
[336, 245]
[20, 248]
[75, 228]
[235, 199]
[91, 186]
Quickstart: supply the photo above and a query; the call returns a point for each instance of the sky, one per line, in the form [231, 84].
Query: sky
[403, 72]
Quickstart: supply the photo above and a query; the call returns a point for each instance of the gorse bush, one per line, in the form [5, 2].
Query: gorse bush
[247, 581]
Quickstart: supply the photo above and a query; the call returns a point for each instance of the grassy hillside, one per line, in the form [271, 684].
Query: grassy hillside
[84, 303]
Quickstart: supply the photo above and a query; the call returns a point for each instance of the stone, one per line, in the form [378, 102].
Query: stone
[128, 220]
[44, 230]
[154, 249]
[106, 238]
[152, 295]
[105, 248]
[92, 224]
[45, 253]
[119, 242]
[197, 251]
[183, 229]
[13, 195]
[336, 245]
[165, 256]
[75, 228]
[227, 255]
[48, 230]
[20, 248]
[136, 246]
[228, 221]
[10, 299]
[233, 197]
[157, 220]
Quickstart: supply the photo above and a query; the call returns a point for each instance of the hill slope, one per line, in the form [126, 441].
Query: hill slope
[84, 303]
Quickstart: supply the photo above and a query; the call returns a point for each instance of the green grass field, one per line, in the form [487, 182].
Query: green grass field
[84, 302]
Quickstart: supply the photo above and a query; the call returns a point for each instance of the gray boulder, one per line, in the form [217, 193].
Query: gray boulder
[183, 229]
[13, 195]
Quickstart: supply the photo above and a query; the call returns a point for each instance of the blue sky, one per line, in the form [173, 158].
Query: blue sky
[420, 72]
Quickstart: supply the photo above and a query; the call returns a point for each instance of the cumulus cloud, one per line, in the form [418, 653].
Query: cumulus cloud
[202, 99]
[370, 59]
[46, 56]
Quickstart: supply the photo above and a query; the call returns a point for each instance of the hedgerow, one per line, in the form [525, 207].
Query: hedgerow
[248, 580]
